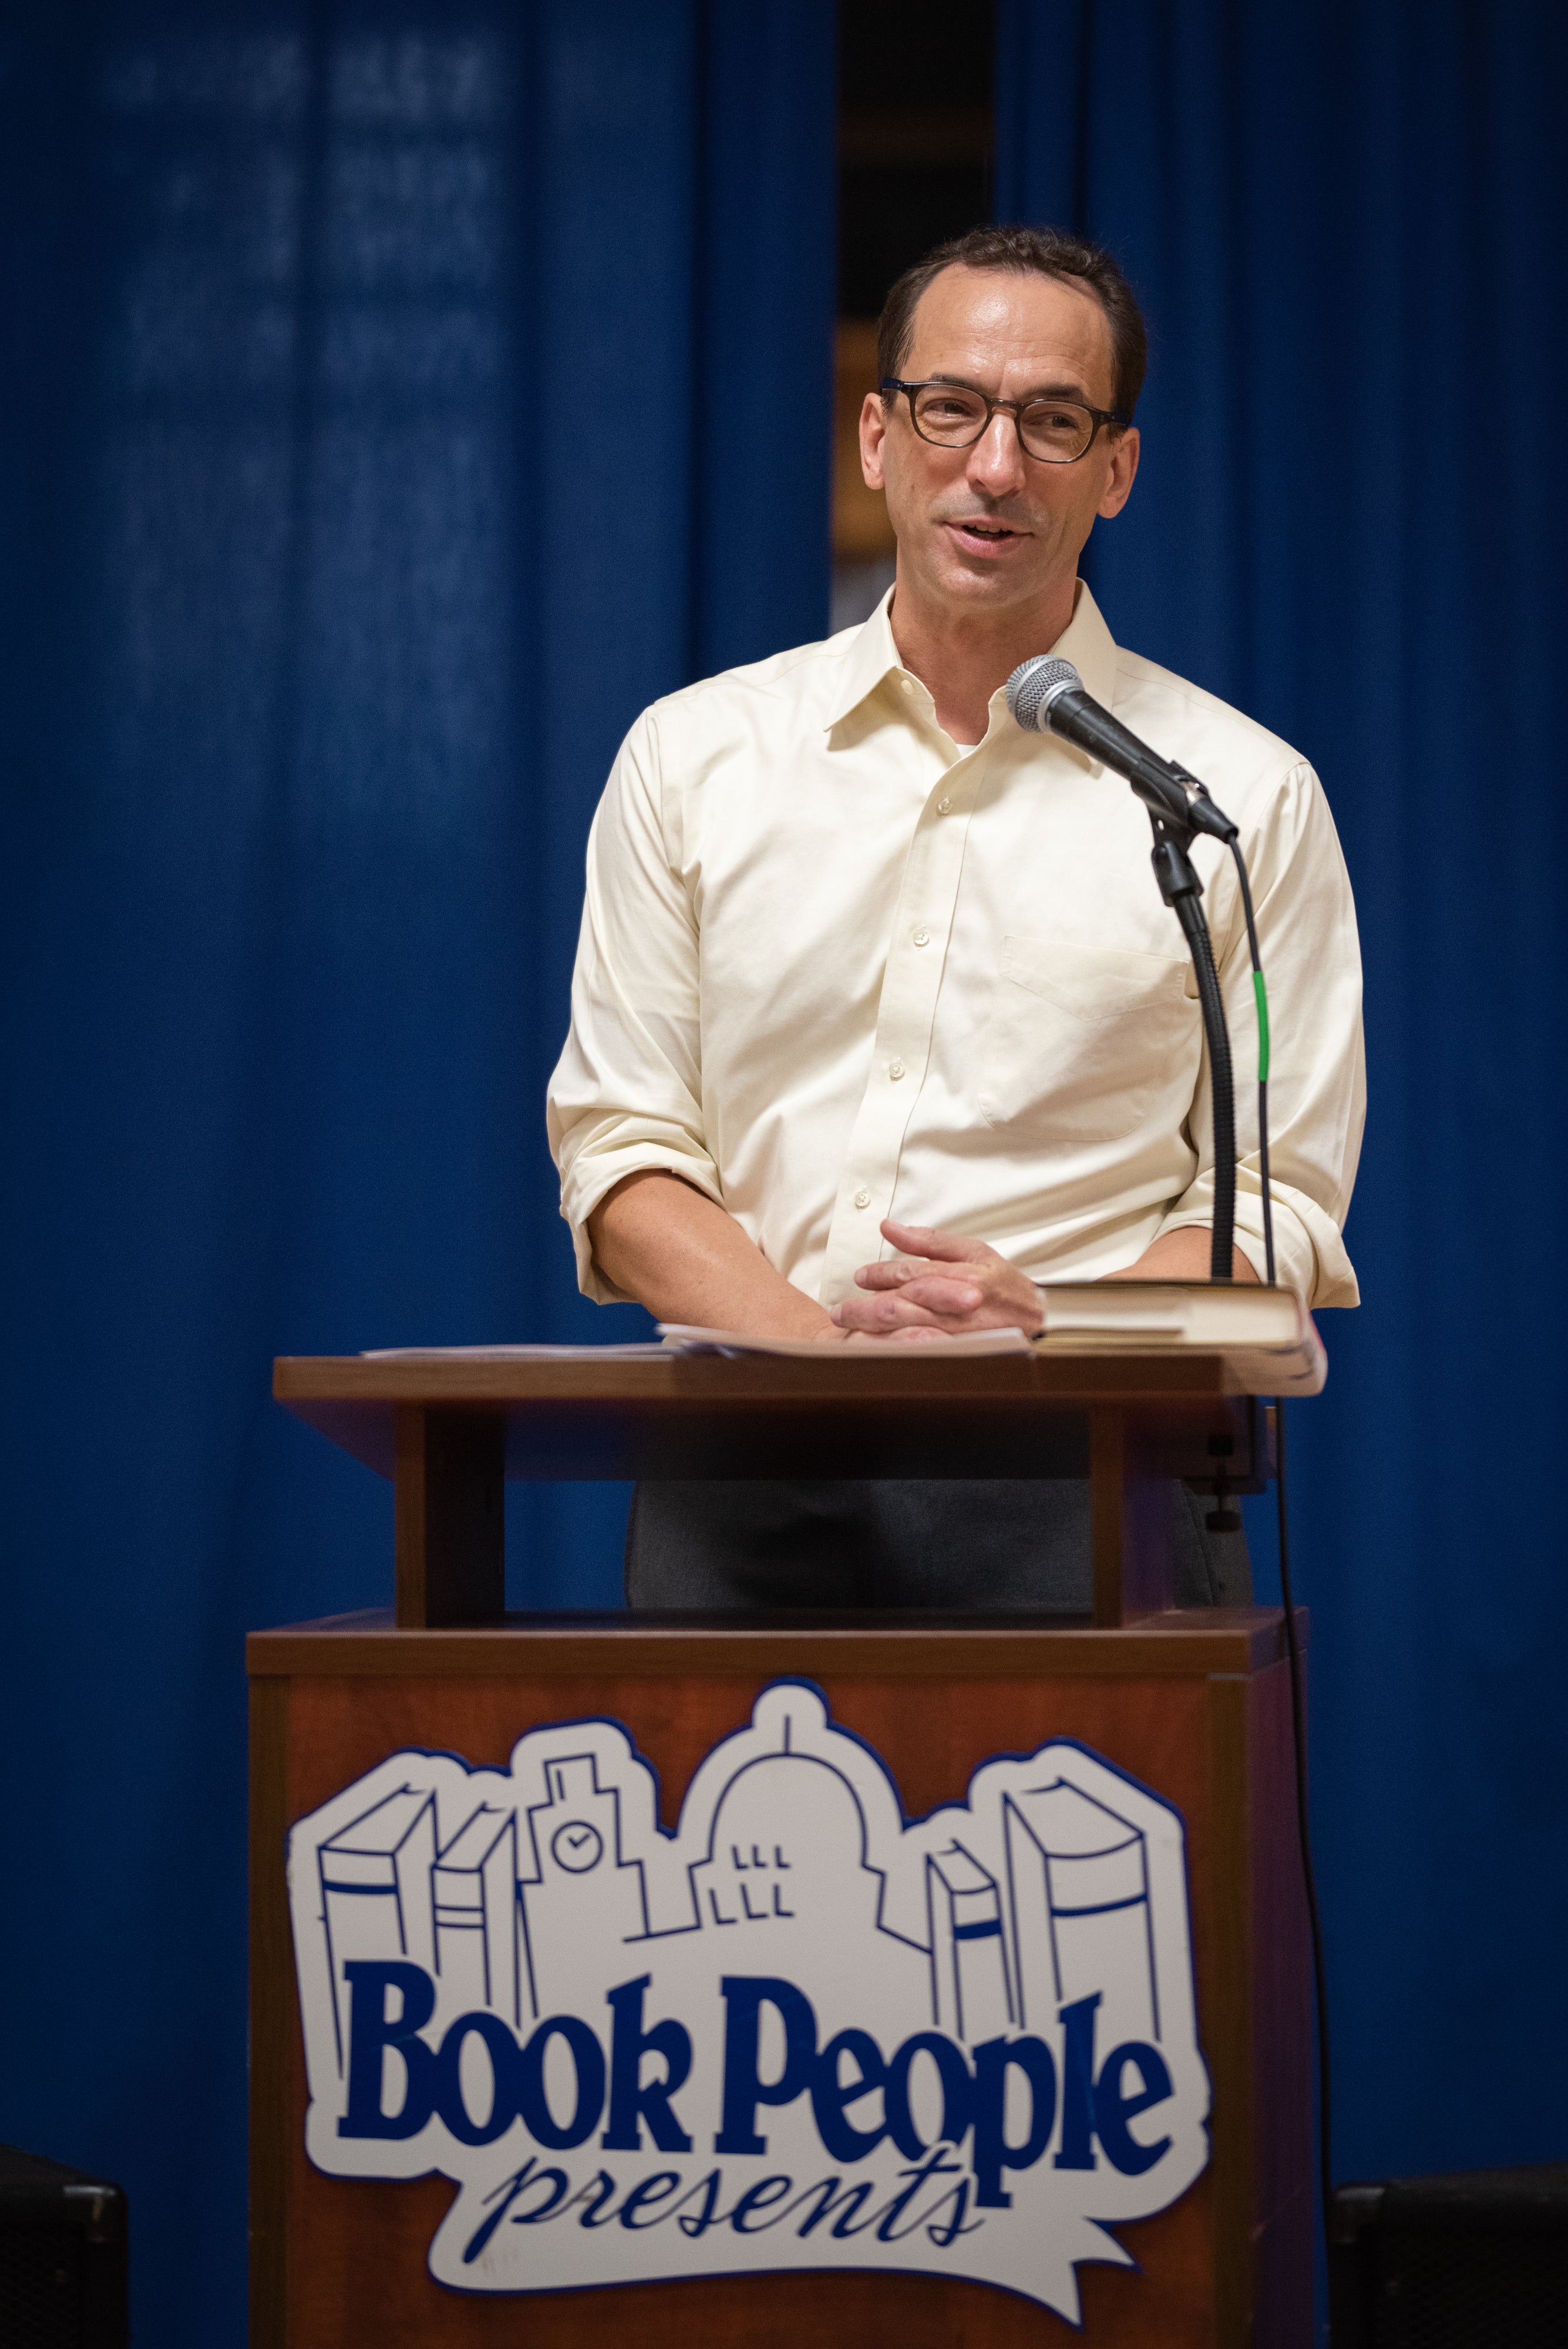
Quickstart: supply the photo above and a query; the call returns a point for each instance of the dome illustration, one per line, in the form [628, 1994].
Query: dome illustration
[788, 1843]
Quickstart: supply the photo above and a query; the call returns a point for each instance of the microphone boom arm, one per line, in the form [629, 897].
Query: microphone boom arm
[1181, 889]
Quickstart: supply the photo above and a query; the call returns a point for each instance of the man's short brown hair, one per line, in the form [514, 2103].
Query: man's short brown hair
[1048, 253]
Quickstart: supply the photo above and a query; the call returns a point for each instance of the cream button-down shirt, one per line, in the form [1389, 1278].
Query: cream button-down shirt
[835, 967]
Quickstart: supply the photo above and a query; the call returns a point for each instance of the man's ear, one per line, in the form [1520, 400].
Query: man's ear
[1123, 471]
[873, 432]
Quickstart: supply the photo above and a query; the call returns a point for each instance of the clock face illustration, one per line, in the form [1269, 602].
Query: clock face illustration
[576, 1846]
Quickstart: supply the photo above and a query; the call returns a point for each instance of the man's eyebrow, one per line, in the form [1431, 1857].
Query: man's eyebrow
[1070, 389]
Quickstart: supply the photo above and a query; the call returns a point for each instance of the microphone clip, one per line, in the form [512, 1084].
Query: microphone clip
[1173, 867]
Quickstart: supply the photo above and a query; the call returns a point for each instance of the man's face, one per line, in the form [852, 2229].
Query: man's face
[987, 527]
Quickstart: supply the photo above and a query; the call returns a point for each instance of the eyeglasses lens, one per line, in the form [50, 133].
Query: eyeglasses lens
[1054, 431]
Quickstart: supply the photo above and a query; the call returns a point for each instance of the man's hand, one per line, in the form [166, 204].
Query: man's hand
[938, 1287]
[942, 1286]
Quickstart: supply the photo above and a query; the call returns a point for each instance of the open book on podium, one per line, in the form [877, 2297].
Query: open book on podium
[1265, 1337]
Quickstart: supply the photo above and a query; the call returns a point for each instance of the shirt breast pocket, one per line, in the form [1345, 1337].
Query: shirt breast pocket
[1083, 1040]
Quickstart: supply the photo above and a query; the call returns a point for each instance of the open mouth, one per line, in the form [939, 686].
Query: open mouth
[985, 533]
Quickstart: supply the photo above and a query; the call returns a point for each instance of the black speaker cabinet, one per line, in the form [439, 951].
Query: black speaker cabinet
[1475, 2260]
[62, 2257]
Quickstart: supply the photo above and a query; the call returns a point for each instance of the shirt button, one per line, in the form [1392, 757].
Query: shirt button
[863, 1198]
[896, 1069]
[942, 806]
[922, 938]
[908, 684]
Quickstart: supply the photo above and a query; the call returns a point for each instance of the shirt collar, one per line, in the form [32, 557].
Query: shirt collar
[1088, 644]
[871, 654]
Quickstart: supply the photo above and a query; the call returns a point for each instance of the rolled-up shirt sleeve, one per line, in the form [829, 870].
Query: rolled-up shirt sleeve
[1317, 1078]
[627, 1093]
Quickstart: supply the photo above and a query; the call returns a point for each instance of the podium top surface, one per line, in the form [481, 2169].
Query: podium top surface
[482, 1374]
[883, 1410]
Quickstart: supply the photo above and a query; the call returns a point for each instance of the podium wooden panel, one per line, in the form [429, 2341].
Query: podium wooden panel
[1193, 1704]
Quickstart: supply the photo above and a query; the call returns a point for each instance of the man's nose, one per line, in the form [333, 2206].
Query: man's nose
[996, 459]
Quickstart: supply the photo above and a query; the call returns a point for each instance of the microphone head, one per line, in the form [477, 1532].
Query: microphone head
[1034, 687]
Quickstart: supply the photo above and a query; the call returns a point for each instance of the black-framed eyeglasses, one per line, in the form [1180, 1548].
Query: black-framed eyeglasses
[952, 416]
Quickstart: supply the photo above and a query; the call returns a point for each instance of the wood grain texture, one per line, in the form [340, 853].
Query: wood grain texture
[1134, 1560]
[449, 1517]
[848, 1415]
[356, 2269]
[905, 1646]
[1227, 2018]
[1282, 2132]
[888, 1374]
[274, 2011]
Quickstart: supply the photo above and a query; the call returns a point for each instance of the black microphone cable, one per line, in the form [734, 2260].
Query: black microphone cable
[1287, 1596]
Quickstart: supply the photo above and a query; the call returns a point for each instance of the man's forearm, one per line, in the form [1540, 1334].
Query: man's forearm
[1182, 1255]
[678, 1253]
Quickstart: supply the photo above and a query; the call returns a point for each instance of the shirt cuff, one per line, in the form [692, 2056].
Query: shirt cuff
[1309, 1252]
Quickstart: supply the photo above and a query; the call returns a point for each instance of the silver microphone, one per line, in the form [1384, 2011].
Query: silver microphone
[1047, 696]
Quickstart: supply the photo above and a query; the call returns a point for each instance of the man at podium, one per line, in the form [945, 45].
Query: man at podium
[879, 1017]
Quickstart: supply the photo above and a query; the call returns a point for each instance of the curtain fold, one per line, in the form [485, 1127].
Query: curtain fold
[393, 399]
[1346, 223]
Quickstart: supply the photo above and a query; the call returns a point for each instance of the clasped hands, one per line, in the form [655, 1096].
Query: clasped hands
[939, 1286]
[943, 1287]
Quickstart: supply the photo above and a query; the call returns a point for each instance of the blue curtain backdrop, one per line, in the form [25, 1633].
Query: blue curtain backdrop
[394, 398]
[1347, 223]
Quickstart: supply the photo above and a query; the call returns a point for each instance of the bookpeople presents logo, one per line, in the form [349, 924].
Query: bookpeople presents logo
[799, 2032]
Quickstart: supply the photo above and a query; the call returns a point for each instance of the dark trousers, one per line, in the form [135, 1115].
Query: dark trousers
[1013, 1544]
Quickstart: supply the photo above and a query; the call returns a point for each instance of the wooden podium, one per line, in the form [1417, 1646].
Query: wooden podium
[1194, 1705]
